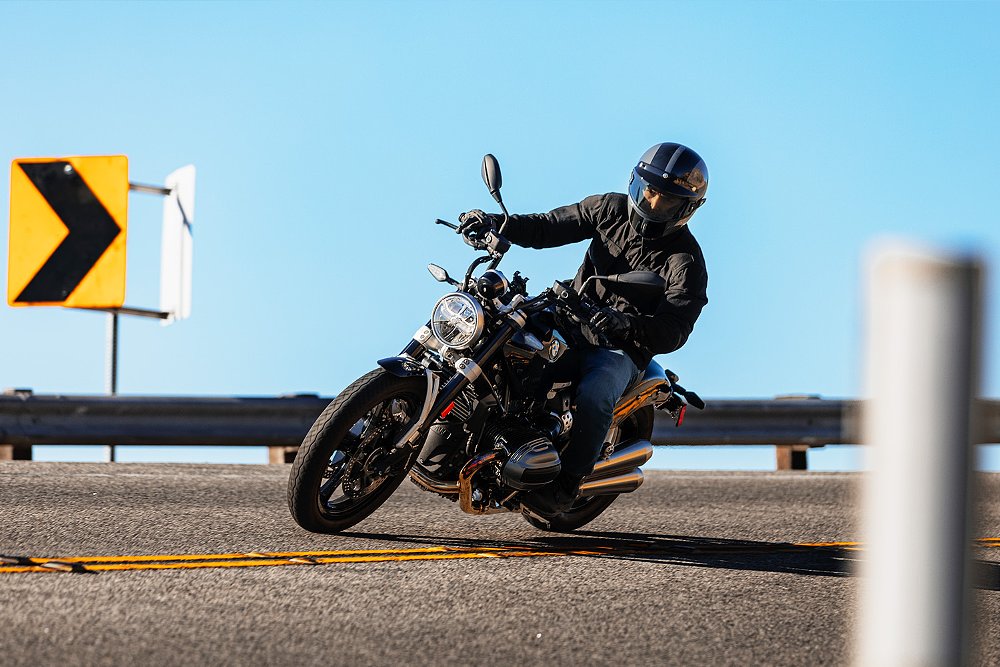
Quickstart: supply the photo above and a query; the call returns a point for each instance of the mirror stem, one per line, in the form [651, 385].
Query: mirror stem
[506, 216]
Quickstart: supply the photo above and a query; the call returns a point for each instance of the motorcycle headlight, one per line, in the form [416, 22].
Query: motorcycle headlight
[457, 320]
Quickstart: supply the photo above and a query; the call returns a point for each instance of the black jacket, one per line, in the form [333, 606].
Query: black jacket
[661, 323]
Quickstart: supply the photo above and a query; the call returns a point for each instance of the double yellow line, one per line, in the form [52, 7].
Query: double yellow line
[265, 559]
[259, 559]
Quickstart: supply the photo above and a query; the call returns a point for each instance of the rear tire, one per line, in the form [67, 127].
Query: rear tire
[638, 425]
[350, 450]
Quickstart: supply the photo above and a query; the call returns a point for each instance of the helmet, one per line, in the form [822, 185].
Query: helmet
[666, 188]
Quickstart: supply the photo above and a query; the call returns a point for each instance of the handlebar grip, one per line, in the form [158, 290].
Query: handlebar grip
[588, 307]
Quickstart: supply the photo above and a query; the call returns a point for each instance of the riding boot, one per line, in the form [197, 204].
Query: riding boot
[555, 498]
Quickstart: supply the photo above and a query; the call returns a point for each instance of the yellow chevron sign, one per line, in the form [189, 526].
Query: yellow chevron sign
[68, 222]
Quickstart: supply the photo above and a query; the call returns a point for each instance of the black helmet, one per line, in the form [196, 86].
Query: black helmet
[666, 188]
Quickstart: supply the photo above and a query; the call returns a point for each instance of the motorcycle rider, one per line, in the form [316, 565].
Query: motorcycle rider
[645, 230]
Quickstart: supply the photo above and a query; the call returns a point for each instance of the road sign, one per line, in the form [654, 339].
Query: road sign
[67, 232]
[175, 258]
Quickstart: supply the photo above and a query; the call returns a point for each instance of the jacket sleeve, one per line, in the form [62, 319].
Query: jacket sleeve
[668, 328]
[561, 226]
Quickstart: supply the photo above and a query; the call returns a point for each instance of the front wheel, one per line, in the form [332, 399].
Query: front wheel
[348, 464]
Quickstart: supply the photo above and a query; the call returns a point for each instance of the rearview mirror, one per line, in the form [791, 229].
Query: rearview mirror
[440, 274]
[491, 176]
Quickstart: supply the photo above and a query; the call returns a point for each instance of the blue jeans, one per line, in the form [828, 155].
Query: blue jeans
[602, 376]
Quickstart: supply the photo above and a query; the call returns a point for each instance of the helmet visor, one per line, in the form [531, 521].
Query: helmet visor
[655, 204]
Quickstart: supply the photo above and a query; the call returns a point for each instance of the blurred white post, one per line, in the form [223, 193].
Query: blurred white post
[923, 316]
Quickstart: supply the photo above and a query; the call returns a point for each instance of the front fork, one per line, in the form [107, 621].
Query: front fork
[467, 370]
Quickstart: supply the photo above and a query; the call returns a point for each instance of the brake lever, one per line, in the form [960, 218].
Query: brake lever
[474, 243]
[439, 221]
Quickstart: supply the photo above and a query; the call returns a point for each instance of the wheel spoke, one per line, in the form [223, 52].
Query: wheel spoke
[352, 468]
[327, 488]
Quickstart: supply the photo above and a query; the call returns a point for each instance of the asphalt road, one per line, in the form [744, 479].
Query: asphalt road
[694, 568]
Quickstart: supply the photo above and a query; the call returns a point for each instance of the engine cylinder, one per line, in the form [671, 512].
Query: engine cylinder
[534, 460]
[532, 465]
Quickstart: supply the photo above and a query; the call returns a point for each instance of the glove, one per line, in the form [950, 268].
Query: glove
[475, 223]
[612, 324]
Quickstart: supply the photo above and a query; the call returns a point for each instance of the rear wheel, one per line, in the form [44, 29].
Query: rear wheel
[638, 425]
[348, 464]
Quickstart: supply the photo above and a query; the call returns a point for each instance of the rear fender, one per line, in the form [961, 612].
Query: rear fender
[650, 386]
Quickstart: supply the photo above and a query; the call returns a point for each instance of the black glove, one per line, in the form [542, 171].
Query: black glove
[612, 324]
[475, 224]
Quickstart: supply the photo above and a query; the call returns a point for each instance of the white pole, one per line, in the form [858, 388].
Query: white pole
[922, 362]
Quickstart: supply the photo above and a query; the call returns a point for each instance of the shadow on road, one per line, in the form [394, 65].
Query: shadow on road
[822, 560]
[986, 575]
[828, 561]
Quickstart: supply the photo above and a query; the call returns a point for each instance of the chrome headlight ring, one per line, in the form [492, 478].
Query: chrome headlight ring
[457, 320]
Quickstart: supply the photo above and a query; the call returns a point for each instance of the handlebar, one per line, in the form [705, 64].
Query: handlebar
[561, 294]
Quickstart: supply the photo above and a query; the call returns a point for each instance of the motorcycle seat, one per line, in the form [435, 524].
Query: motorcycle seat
[651, 376]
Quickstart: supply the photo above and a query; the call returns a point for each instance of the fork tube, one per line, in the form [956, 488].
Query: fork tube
[457, 383]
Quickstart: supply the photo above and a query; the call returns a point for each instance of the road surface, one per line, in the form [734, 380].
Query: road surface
[201, 564]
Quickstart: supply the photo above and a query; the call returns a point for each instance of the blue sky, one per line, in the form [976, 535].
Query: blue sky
[329, 136]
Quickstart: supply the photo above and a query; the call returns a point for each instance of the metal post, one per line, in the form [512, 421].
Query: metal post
[111, 371]
[922, 376]
[791, 457]
[276, 455]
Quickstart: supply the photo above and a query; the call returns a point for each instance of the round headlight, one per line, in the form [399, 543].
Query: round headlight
[457, 320]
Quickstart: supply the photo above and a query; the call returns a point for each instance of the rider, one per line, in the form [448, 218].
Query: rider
[644, 230]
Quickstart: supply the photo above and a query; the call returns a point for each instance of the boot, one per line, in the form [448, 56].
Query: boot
[554, 498]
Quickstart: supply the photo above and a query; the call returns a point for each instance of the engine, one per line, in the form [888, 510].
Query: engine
[532, 459]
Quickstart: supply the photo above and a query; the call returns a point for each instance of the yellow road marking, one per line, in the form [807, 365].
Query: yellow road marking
[194, 561]
[265, 559]
[251, 554]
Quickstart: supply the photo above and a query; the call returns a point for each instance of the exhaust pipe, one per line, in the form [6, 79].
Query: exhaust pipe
[626, 457]
[610, 486]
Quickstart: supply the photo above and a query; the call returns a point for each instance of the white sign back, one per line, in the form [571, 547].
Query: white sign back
[175, 258]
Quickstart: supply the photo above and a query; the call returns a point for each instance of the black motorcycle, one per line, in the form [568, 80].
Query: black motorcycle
[467, 412]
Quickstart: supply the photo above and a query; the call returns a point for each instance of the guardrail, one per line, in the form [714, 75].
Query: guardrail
[793, 425]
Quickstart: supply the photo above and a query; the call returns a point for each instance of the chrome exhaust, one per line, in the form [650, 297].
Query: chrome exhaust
[610, 486]
[627, 456]
[470, 498]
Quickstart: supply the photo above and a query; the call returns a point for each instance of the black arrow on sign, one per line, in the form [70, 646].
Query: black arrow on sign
[91, 231]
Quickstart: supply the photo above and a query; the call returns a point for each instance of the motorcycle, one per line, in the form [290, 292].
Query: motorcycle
[466, 410]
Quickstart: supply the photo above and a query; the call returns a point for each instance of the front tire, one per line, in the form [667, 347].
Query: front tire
[348, 465]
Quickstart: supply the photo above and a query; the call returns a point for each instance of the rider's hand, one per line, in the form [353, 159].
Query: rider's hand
[476, 223]
[613, 324]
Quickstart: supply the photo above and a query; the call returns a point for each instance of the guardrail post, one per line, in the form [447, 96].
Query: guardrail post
[15, 452]
[277, 455]
[21, 452]
[922, 368]
[791, 457]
